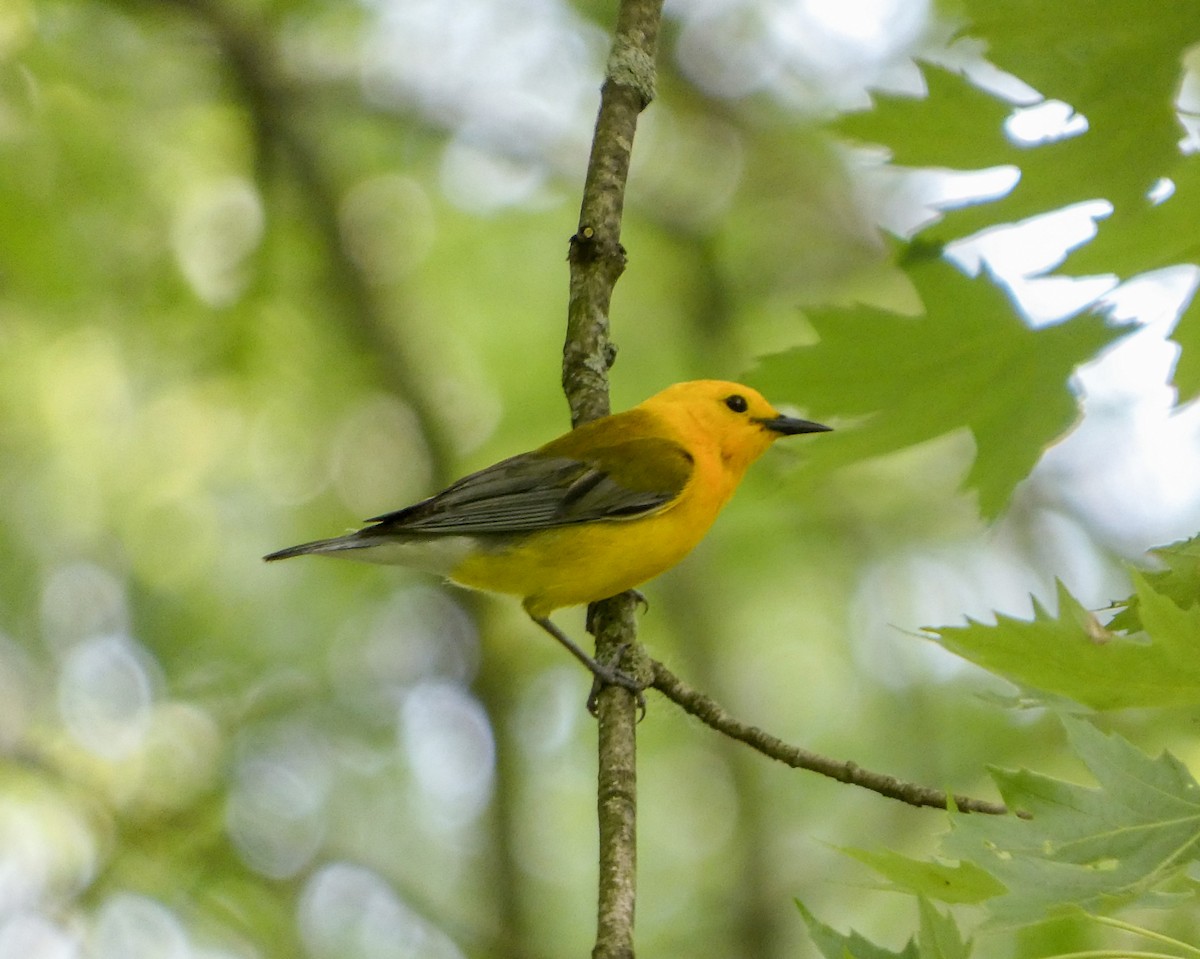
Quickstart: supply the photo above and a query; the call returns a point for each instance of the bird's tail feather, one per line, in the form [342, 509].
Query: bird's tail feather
[333, 545]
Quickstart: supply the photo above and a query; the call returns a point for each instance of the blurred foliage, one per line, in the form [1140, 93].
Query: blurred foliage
[267, 268]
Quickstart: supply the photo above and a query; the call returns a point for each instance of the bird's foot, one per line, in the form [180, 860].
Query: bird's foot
[606, 674]
[609, 674]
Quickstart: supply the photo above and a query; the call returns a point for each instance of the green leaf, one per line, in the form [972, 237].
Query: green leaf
[969, 362]
[1187, 335]
[960, 127]
[1118, 63]
[951, 883]
[1076, 51]
[938, 936]
[1073, 654]
[833, 945]
[1178, 581]
[1147, 236]
[1096, 848]
[954, 125]
[1142, 236]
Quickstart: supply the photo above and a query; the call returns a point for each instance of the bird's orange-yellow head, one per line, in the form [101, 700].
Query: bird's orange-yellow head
[735, 419]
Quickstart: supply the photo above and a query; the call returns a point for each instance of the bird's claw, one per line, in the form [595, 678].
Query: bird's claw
[608, 674]
[639, 599]
[605, 674]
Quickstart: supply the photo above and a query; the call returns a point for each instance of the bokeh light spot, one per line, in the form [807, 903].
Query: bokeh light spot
[348, 912]
[136, 927]
[448, 741]
[105, 695]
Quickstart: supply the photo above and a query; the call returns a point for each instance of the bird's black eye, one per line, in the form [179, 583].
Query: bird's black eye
[737, 403]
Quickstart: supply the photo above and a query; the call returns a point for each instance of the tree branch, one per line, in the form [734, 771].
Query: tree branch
[596, 256]
[712, 714]
[597, 261]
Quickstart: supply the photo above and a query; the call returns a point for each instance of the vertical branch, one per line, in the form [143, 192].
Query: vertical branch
[597, 258]
[597, 261]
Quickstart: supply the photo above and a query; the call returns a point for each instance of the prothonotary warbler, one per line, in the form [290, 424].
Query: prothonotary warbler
[589, 515]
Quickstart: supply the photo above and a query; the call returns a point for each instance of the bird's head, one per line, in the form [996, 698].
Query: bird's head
[736, 418]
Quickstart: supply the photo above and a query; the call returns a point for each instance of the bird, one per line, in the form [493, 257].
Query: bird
[591, 514]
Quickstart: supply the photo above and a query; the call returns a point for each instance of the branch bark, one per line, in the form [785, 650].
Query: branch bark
[597, 261]
[715, 716]
[596, 256]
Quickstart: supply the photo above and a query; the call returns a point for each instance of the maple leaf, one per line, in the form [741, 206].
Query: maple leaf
[968, 363]
[1091, 847]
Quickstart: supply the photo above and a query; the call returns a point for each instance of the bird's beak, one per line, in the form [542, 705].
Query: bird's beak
[790, 426]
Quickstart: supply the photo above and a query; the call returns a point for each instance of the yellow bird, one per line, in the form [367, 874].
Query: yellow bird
[589, 515]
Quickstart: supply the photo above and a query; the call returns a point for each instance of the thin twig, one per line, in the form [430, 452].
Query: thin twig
[709, 712]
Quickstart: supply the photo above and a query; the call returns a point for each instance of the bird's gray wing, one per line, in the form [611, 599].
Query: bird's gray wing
[535, 491]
